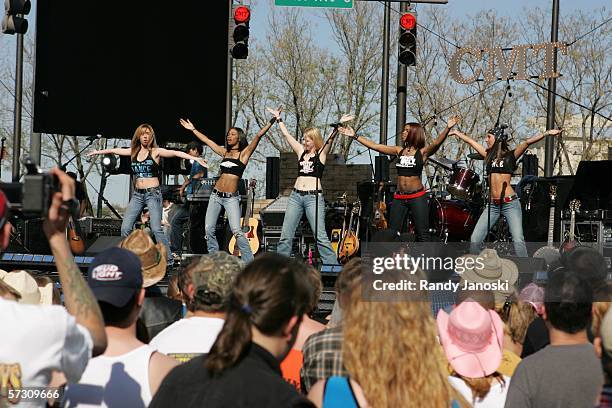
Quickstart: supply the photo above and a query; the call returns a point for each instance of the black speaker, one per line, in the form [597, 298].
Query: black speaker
[272, 177]
[103, 243]
[381, 168]
[35, 239]
[530, 165]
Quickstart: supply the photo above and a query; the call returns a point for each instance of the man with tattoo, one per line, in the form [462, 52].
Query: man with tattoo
[37, 340]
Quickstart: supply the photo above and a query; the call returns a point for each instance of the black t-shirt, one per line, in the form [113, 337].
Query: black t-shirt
[256, 381]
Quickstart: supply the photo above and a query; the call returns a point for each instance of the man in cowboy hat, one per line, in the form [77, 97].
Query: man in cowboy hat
[566, 372]
[208, 283]
[28, 289]
[489, 268]
[37, 340]
[158, 311]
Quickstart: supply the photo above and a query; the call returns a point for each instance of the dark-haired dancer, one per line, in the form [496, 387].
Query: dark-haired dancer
[411, 157]
[501, 164]
[242, 369]
[225, 194]
[145, 157]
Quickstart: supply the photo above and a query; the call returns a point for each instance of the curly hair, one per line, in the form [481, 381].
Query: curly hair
[517, 316]
[390, 349]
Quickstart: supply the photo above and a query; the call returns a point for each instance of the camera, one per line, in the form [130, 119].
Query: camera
[32, 198]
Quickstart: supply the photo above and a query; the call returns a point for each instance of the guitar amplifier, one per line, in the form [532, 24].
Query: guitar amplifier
[103, 226]
[595, 234]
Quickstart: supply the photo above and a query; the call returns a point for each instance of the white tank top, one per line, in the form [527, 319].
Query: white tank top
[120, 381]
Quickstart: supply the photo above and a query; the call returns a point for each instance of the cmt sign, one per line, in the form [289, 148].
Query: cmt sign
[513, 67]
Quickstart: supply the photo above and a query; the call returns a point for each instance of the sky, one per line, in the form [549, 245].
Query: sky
[260, 11]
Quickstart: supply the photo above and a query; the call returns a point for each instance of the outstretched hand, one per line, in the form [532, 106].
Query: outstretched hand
[93, 153]
[202, 162]
[187, 124]
[276, 113]
[553, 132]
[347, 131]
[453, 121]
[347, 117]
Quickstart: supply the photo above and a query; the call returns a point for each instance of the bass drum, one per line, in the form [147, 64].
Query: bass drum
[452, 220]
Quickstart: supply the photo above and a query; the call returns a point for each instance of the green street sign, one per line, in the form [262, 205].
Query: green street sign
[315, 3]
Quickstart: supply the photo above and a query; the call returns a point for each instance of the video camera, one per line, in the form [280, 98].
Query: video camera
[32, 198]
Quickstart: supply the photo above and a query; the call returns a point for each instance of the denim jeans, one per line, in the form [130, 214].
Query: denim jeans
[419, 208]
[298, 204]
[153, 201]
[232, 210]
[512, 212]
[176, 228]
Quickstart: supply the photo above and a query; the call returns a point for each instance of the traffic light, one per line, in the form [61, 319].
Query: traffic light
[240, 32]
[408, 39]
[13, 21]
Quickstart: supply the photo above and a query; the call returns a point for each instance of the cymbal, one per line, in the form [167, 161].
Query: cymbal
[443, 162]
[475, 156]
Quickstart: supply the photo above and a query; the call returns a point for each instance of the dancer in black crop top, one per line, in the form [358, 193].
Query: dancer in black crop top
[145, 157]
[501, 165]
[411, 157]
[307, 195]
[235, 157]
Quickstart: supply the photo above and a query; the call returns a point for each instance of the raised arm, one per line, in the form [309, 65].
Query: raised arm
[121, 151]
[328, 144]
[521, 147]
[248, 151]
[475, 145]
[295, 145]
[180, 154]
[205, 139]
[78, 298]
[432, 148]
[381, 148]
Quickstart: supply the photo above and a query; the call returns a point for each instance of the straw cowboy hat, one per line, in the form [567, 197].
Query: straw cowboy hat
[488, 268]
[152, 256]
[29, 290]
[472, 338]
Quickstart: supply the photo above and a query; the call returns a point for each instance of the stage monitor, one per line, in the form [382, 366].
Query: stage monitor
[104, 67]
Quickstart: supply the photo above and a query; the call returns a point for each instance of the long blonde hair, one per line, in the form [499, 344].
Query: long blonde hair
[315, 135]
[390, 349]
[136, 146]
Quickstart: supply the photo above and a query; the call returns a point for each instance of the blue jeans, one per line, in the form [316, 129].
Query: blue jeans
[512, 212]
[153, 201]
[232, 210]
[295, 209]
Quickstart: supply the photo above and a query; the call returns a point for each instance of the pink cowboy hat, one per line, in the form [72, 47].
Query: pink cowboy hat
[472, 338]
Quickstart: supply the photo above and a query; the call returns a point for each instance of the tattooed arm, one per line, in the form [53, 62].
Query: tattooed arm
[78, 298]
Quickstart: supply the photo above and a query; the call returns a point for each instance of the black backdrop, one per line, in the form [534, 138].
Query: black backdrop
[104, 67]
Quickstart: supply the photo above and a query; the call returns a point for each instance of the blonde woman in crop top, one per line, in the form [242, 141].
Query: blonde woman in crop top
[307, 190]
[145, 157]
[225, 194]
[501, 164]
[411, 157]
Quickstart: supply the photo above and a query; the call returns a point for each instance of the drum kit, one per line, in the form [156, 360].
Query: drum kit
[457, 198]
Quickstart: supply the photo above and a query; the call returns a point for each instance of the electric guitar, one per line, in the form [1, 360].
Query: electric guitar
[549, 253]
[349, 245]
[248, 224]
[571, 241]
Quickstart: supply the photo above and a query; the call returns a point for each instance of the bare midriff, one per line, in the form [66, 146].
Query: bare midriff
[227, 183]
[500, 185]
[307, 183]
[409, 183]
[148, 182]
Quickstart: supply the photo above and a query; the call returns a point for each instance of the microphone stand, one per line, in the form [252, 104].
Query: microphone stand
[91, 141]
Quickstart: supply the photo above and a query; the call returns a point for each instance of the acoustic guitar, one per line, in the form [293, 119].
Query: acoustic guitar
[349, 245]
[249, 224]
[380, 207]
[77, 245]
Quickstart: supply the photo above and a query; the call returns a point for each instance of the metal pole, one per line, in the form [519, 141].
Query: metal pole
[230, 65]
[17, 112]
[384, 90]
[549, 148]
[101, 192]
[402, 84]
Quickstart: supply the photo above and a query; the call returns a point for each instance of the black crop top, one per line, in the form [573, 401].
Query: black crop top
[232, 166]
[148, 168]
[409, 165]
[505, 165]
[311, 167]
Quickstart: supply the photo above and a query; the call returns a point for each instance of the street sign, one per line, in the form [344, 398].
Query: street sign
[345, 4]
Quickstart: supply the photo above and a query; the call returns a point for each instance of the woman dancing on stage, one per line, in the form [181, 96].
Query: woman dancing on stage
[225, 193]
[500, 165]
[312, 154]
[145, 167]
[411, 157]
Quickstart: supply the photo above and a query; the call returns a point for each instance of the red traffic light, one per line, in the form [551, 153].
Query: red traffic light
[408, 21]
[242, 14]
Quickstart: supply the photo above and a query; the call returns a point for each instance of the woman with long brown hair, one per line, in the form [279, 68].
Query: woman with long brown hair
[243, 366]
[235, 157]
[411, 157]
[501, 165]
[145, 155]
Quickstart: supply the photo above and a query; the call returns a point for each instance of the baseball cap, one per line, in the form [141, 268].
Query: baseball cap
[115, 276]
[213, 277]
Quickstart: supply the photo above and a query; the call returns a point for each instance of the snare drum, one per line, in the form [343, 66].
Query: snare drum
[463, 183]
